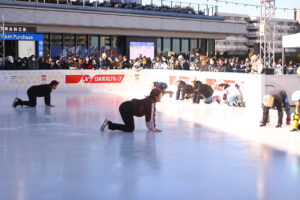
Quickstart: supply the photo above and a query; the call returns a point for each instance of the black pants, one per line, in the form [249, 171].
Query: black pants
[180, 91]
[196, 97]
[266, 114]
[32, 100]
[127, 116]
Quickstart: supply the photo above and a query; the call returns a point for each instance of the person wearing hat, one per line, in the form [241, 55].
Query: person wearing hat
[137, 107]
[37, 91]
[278, 99]
[182, 63]
[104, 62]
[296, 99]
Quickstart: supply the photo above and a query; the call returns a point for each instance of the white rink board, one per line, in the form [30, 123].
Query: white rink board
[252, 85]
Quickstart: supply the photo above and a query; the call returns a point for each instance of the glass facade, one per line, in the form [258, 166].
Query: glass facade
[116, 46]
[203, 46]
[105, 45]
[93, 44]
[69, 45]
[81, 46]
[210, 47]
[166, 46]
[185, 46]
[158, 46]
[58, 45]
[193, 45]
[47, 45]
[176, 45]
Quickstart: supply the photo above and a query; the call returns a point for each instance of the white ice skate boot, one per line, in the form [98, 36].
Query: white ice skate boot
[104, 124]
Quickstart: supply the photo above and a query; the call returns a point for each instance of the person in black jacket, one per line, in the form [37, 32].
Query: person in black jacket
[278, 99]
[181, 87]
[184, 91]
[136, 107]
[37, 91]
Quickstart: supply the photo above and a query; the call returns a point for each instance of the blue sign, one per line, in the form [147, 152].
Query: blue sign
[27, 37]
[141, 44]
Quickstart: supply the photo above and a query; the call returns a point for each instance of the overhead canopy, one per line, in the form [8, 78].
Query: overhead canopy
[291, 41]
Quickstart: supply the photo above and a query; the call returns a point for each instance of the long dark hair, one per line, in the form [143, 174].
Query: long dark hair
[154, 93]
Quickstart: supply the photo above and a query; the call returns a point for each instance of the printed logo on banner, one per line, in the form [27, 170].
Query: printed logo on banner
[44, 78]
[215, 84]
[16, 79]
[107, 78]
[173, 79]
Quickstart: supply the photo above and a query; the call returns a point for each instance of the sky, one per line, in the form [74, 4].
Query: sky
[241, 9]
[253, 11]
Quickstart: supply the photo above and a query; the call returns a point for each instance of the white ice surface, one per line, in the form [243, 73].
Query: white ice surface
[204, 152]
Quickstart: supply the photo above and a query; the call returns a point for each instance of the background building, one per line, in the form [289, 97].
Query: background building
[235, 44]
[71, 29]
[243, 43]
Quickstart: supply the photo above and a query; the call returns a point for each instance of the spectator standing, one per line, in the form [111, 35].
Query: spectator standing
[33, 63]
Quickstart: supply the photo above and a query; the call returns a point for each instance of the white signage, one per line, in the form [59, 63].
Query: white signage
[26, 48]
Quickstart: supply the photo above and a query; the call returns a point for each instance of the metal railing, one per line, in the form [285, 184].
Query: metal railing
[152, 5]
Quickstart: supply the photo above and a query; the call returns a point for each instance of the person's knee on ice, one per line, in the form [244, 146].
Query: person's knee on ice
[35, 91]
[137, 107]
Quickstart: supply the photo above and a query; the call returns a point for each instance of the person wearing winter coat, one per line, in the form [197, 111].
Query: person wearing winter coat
[278, 99]
[139, 108]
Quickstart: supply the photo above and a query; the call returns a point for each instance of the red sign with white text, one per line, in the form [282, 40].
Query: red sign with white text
[105, 78]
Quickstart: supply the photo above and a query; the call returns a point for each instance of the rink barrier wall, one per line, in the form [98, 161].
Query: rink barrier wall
[252, 85]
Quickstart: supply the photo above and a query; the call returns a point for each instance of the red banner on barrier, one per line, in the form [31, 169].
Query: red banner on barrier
[106, 78]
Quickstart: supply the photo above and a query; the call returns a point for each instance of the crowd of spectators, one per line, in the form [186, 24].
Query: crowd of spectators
[195, 62]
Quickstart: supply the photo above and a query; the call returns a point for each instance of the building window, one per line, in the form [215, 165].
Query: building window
[47, 45]
[185, 46]
[81, 47]
[176, 45]
[211, 47]
[93, 43]
[69, 45]
[203, 46]
[56, 45]
[105, 45]
[116, 46]
[194, 45]
[158, 46]
[166, 46]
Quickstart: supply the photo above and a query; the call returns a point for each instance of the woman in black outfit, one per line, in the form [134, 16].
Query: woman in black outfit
[136, 107]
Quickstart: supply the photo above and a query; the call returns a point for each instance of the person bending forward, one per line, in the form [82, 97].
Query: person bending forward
[136, 107]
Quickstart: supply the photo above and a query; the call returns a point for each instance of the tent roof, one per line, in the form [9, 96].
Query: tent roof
[291, 41]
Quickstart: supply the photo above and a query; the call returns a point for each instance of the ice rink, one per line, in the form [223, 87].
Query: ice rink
[207, 152]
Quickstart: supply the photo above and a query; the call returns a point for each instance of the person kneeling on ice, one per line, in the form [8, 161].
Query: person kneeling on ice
[203, 91]
[37, 91]
[296, 99]
[163, 87]
[236, 97]
[138, 108]
[184, 90]
[276, 98]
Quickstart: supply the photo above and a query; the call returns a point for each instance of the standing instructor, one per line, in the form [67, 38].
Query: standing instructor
[38, 91]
